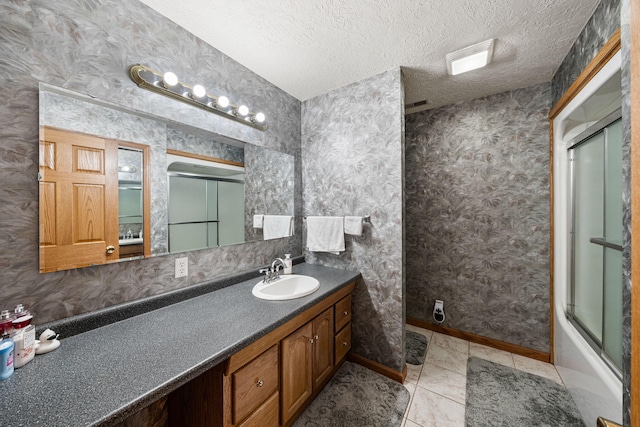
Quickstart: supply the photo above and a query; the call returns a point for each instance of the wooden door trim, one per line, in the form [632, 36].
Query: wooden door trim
[610, 48]
[146, 192]
[203, 157]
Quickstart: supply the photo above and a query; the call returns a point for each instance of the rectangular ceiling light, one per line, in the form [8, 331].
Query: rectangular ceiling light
[470, 58]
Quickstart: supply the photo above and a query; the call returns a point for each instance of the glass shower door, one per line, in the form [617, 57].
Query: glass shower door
[596, 232]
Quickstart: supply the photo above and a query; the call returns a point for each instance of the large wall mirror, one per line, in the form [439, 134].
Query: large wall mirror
[139, 185]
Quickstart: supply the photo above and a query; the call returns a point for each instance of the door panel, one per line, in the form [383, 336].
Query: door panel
[78, 200]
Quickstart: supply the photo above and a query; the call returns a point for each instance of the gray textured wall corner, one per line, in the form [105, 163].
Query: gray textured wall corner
[352, 146]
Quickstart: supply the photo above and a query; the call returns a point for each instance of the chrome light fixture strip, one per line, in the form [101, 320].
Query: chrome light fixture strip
[151, 80]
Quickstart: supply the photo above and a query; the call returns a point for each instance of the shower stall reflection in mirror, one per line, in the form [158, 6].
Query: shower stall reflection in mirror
[587, 187]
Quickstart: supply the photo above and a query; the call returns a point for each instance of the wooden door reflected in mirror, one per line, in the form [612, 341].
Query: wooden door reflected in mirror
[79, 216]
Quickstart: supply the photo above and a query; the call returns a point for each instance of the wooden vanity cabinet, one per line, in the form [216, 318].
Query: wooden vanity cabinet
[270, 382]
[128, 251]
[307, 361]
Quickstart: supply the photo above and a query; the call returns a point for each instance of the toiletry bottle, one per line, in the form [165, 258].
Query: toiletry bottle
[6, 327]
[24, 337]
[7, 347]
[288, 264]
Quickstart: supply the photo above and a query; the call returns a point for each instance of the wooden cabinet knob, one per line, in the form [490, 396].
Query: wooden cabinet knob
[310, 340]
[345, 312]
[260, 383]
[315, 337]
[344, 343]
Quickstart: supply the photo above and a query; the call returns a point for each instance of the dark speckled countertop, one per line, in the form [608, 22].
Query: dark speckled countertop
[102, 376]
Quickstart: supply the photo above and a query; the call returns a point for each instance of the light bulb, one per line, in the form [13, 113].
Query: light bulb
[260, 117]
[223, 102]
[243, 110]
[198, 91]
[169, 79]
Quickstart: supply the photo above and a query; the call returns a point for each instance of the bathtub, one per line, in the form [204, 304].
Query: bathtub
[596, 390]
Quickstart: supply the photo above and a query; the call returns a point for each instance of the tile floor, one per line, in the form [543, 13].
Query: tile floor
[438, 387]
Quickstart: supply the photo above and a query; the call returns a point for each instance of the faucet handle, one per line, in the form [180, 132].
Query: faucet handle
[268, 274]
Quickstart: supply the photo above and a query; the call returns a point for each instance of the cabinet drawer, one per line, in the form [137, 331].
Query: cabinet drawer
[253, 383]
[343, 342]
[343, 312]
[266, 415]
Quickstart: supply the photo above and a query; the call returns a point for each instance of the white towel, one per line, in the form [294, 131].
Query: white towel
[277, 226]
[325, 234]
[257, 221]
[353, 225]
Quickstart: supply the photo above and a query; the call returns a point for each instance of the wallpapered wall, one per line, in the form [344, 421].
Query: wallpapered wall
[626, 212]
[352, 148]
[477, 183]
[88, 46]
[602, 24]
[626, 208]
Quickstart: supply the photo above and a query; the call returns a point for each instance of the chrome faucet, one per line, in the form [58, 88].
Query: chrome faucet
[272, 274]
[276, 264]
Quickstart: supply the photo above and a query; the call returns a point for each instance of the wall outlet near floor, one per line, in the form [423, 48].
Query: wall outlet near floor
[438, 311]
[182, 267]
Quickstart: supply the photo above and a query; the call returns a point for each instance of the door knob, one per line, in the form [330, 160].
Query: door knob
[110, 250]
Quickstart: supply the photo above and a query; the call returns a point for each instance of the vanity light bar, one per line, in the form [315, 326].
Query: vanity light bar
[169, 85]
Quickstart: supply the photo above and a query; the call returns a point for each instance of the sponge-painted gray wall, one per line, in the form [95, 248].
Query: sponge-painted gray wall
[88, 46]
[477, 185]
[625, 21]
[600, 27]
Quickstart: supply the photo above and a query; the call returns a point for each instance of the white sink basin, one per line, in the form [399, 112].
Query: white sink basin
[288, 286]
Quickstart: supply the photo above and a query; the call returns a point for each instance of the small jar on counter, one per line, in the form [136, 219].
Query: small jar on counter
[6, 325]
[288, 264]
[24, 337]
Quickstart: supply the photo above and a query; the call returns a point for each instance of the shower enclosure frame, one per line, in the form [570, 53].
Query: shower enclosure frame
[595, 388]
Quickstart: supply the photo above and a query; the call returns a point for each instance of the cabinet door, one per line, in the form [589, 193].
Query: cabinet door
[322, 347]
[296, 370]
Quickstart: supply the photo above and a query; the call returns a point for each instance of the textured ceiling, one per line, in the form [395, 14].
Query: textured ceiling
[309, 47]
